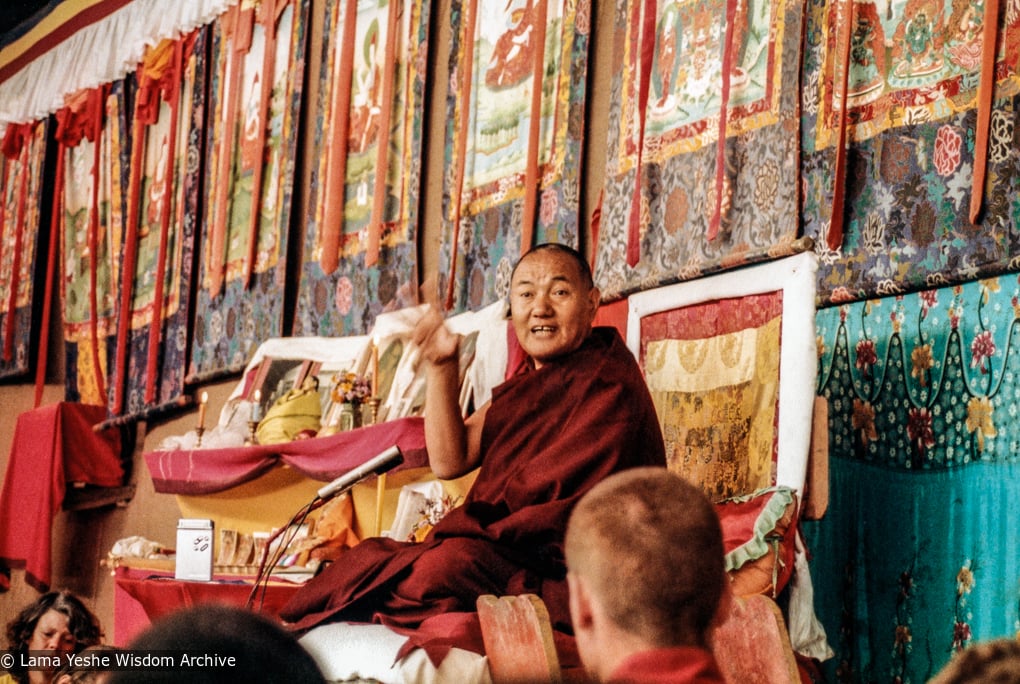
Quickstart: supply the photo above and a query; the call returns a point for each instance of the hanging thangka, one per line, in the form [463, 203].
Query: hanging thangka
[256, 69]
[21, 215]
[910, 166]
[513, 139]
[702, 168]
[162, 213]
[359, 246]
[91, 177]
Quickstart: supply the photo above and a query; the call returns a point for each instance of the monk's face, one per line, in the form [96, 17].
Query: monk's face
[551, 305]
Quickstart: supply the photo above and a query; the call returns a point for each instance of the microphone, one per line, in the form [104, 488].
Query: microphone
[376, 465]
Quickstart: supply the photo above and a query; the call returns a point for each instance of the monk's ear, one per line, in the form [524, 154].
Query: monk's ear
[581, 613]
[594, 298]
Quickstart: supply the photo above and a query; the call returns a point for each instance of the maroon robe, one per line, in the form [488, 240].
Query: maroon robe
[549, 436]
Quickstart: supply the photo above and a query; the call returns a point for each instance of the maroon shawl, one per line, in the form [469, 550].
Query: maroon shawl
[549, 436]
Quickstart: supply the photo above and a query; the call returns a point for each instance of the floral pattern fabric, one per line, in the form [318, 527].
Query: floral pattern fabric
[915, 557]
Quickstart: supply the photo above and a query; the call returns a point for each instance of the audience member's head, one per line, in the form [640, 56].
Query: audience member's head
[644, 554]
[87, 668]
[989, 662]
[262, 651]
[57, 622]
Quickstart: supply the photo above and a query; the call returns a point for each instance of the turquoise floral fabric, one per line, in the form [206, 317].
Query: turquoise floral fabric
[916, 556]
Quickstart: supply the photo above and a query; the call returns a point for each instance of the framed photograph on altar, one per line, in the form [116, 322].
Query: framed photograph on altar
[713, 351]
[275, 376]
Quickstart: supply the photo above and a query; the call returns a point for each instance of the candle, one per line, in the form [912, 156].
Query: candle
[201, 409]
[256, 407]
[375, 367]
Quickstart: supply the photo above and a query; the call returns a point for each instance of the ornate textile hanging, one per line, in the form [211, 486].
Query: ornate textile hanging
[21, 233]
[922, 392]
[92, 137]
[161, 220]
[360, 248]
[702, 168]
[931, 99]
[513, 141]
[242, 260]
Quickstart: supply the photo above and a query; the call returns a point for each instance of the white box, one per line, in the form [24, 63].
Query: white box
[194, 550]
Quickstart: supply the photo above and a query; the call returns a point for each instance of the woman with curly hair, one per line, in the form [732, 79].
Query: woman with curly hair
[56, 623]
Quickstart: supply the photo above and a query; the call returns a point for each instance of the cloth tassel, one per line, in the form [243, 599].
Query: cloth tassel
[172, 91]
[646, 56]
[467, 78]
[834, 239]
[269, 13]
[382, 164]
[332, 224]
[532, 177]
[986, 88]
[720, 155]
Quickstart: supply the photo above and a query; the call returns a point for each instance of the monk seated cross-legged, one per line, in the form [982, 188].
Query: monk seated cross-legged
[576, 412]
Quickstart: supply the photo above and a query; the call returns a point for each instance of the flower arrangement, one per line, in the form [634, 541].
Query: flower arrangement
[350, 388]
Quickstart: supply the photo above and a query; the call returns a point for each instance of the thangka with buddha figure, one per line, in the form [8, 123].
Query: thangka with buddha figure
[360, 249]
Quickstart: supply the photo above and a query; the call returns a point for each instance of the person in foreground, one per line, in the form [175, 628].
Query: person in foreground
[990, 662]
[56, 623]
[223, 644]
[644, 554]
[577, 412]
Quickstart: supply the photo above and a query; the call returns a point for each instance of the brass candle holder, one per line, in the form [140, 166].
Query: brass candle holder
[198, 435]
[373, 410]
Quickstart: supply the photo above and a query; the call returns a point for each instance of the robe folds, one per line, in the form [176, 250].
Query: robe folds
[549, 436]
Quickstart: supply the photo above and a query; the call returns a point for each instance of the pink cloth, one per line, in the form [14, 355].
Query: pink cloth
[204, 471]
[52, 445]
[680, 665]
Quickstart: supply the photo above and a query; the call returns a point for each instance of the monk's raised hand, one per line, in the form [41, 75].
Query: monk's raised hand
[436, 342]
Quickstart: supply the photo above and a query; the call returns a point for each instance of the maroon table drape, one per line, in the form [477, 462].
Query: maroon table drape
[204, 471]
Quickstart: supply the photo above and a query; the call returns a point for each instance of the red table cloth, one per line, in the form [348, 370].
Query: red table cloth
[204, 471]
[52, 445]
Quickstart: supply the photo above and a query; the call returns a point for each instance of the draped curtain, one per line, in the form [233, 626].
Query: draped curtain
[916, 555]
[515, 117]
[360, 248]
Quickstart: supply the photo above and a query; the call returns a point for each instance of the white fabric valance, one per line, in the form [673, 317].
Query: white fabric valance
[99, 53]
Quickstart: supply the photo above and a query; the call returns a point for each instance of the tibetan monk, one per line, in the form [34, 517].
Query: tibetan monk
[577, 412]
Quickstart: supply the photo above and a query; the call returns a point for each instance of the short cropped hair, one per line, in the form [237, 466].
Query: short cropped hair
[650, 546]
[990, 662]
[264, 652]
[582, 264]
